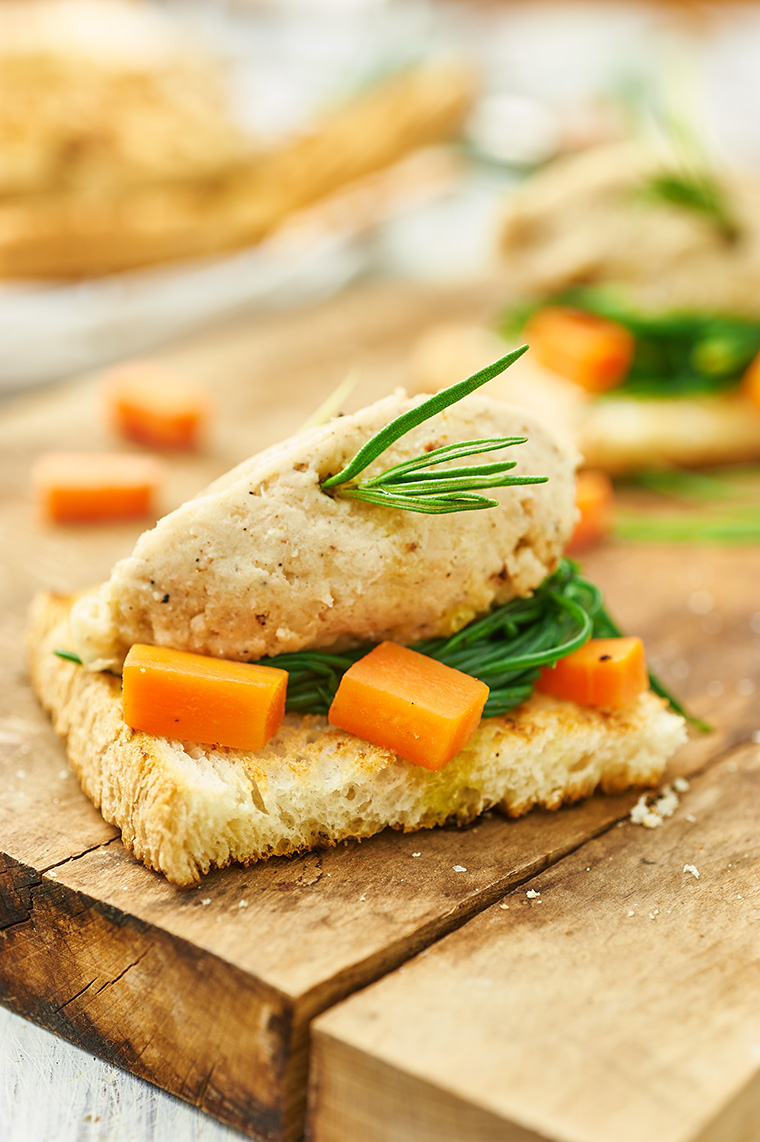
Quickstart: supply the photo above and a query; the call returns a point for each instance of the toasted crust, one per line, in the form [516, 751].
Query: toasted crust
[183, 808]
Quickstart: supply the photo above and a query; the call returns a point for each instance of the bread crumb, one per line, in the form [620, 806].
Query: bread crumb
[505, 906]
[416, 854]
[666, 805]
[690, 818]
[690, 868]
[459, 868]
[631, 912]
[206, 900]
[651, 816]
[532, 894]
[243, 904]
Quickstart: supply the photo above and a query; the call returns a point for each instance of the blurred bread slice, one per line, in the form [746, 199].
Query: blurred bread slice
[119, 149]
[184, 808]
[100, 95]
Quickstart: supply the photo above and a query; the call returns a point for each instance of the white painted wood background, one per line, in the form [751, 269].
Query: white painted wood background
[51, 1091]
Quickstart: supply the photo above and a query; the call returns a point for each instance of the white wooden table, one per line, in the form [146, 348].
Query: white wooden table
[53, 1092]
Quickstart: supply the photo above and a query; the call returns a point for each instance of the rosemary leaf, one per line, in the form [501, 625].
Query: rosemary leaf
[430, 505]
[68, 655]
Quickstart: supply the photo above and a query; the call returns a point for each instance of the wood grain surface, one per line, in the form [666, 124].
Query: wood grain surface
[210, 992]
[613, 997]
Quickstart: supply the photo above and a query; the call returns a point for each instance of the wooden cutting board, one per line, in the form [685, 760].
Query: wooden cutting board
[210, 992]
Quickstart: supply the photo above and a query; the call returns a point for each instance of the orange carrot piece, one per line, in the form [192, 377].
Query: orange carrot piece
[590, 350]
[593, 499]
[84, 487]
[605, 672]
[176, 694]
[751, 381]
[404, 701]
[152, 405]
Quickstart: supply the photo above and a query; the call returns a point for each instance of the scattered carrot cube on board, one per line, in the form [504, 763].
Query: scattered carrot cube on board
[593, 499]
[404, 701]
[96, 487]
[592, 351]
[152, 405]
[177, 694]
[603, 672]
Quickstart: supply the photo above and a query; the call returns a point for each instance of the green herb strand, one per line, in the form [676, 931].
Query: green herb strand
[505, 649]
[413, 485]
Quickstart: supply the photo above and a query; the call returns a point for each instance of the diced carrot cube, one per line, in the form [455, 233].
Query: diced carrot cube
[152, 405]
[751, 381]
[590, 350]
[407, 702]
[593, 499]
[85, 487]
[177, 694]
[604, 672]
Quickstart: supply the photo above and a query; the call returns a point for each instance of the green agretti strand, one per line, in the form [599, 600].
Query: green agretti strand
[506, 648]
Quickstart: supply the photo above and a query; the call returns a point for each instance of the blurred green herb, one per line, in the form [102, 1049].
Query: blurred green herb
[677, 354]
[697, 191]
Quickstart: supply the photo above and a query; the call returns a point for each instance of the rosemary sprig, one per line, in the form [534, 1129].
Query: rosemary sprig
[415, 484]
[697, 191]
[505, 649]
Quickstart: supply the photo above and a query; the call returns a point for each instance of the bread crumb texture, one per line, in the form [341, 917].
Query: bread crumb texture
[264, 561]
[184, 808]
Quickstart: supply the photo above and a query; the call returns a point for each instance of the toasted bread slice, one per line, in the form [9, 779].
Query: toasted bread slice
[184, 808]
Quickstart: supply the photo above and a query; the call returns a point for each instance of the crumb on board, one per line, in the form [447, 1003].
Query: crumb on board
[651, 814]
[532, 894]
[459, 868]
[692, 869]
